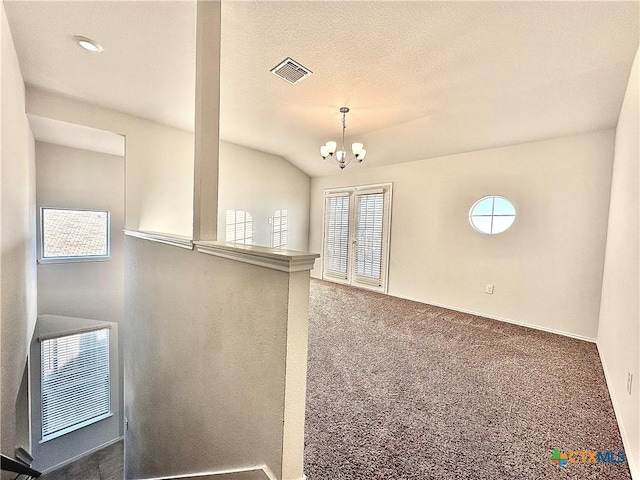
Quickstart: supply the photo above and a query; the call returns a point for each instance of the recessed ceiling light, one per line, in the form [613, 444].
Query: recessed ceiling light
[88, 44]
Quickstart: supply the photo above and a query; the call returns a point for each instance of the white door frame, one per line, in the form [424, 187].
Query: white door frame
[352, 191]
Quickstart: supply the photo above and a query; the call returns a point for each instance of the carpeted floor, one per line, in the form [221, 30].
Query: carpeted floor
[402, 390]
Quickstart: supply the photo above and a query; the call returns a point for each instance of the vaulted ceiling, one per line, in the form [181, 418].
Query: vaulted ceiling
[421, 78]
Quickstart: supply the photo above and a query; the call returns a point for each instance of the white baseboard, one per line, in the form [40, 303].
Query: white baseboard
[250, 473]
[635, 469]
[485, 315]
[500, 319]
[82, 455]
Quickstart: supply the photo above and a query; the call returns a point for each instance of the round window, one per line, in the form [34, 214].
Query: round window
[492, 215]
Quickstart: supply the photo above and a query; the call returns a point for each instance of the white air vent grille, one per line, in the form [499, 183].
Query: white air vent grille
[291, 71]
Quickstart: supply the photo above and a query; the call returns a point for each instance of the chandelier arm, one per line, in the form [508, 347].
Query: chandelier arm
[345, 163]
[341, 157]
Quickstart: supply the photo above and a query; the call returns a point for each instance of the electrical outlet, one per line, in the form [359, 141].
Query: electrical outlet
[629, 382]
[488, 289]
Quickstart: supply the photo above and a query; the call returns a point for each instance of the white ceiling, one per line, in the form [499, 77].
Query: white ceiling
[422, 78]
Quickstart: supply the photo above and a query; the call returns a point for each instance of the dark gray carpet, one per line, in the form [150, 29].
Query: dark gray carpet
[402, 390]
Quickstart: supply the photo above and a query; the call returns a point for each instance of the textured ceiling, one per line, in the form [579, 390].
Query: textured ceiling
[422, 79]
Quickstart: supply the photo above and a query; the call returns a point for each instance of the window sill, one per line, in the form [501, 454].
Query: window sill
[44, 261]
[73, 428]
[53, 326]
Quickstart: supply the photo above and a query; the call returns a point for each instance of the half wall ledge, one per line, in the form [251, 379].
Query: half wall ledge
[166, 238]
[283, 260]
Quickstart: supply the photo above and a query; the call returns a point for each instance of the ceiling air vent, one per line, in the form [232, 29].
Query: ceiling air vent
[291, 71]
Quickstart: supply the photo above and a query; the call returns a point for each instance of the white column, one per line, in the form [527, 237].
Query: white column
[207, 132]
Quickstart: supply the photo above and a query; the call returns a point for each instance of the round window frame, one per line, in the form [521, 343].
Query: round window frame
[477, 202]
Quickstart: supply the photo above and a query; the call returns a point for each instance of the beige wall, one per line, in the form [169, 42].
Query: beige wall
[72, 178]
[547, 269]
[260, 183]
[206, 351]
[159, 161]
[619, 329]
[160, 169]
[18, 234]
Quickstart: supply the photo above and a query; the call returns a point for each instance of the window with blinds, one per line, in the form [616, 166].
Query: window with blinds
[356, 235]
[369, 237]
[336, 248]
[280, 227]
[75, 382]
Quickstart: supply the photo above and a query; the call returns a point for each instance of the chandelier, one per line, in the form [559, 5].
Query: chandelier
[329, 148]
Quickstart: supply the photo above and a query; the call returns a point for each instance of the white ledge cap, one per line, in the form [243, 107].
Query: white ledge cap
[276, 259]
[166, 238]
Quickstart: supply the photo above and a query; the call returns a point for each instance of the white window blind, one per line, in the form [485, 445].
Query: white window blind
[337, 236]
[280, 226]
[369, 238]
[356, 235]
[75, 382]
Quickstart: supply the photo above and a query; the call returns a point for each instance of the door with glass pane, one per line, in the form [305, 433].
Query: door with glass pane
[356, 236]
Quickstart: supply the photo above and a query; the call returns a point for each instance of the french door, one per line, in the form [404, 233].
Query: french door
[356, 236]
